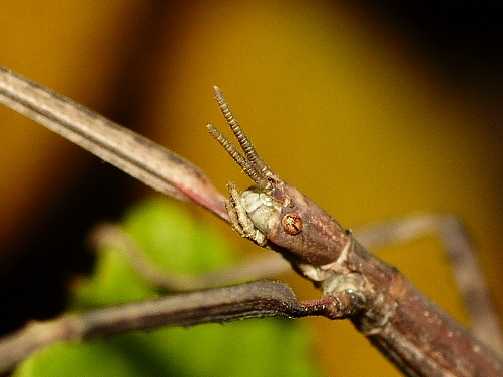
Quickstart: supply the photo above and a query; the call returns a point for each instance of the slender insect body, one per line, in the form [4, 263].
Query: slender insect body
[415, 335]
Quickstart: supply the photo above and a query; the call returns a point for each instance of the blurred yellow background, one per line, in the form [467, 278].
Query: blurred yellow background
[336, 100]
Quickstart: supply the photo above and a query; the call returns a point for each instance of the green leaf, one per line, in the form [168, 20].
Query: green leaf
[174, 242]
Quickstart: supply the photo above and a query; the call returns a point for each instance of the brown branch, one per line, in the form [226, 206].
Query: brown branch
[252, 300]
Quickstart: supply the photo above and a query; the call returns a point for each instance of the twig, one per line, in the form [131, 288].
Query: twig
[252, 300]
[113, 236]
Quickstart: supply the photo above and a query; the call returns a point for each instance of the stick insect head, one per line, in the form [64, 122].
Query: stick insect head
[262, 202]
[272, 211]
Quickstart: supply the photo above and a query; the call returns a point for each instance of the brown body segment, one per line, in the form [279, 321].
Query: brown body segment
[415, 334]
[321, 239]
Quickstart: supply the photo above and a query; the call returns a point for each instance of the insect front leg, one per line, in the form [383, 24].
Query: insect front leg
[239, 219]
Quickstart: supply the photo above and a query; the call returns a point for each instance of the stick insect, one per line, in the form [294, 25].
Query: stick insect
[411, 332]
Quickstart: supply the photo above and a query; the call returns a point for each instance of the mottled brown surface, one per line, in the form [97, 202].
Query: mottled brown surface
[411, 331]
[321, 238]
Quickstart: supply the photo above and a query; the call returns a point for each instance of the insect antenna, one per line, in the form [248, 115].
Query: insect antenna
[250, 153]
[249, 169]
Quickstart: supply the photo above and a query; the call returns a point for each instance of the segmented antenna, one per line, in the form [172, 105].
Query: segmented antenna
[247, 167]
[251, 163]
[250, 153]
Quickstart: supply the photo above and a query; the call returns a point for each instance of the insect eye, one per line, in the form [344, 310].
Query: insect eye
[292, 224]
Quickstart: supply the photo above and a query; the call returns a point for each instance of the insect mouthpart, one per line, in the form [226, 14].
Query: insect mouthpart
[262, 209]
